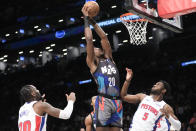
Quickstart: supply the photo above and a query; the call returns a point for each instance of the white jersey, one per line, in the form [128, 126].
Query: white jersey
[163, 124]
[28, 120]
[147, 115]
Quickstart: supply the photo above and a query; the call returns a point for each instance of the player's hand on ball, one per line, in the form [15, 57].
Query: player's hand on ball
[71, 97]
[85, 10]
[129, 74]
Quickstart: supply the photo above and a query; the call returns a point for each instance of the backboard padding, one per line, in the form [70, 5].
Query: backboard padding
[150, 14]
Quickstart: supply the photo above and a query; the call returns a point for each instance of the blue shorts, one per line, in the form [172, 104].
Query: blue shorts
[109, 112]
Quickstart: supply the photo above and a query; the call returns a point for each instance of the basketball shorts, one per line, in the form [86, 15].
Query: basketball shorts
[109, 112]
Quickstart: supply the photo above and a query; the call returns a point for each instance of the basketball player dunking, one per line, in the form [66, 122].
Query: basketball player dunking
[151, 108]
[33, 114]
[108, 106]
[90, 120]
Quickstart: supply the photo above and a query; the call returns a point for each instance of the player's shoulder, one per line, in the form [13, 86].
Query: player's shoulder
[163, 103]
[141, 96]
[27, 105]
[168, 107]
[21, 108]
[41, 107]
[93, 64]
[109, 59]
[40, 104]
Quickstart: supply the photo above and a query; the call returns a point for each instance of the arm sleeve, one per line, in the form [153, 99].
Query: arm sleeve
[66, 113]
[176, 124]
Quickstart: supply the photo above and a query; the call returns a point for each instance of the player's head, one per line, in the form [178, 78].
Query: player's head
[160, 88]
[93, 99]
[98, 52]
[30, 93]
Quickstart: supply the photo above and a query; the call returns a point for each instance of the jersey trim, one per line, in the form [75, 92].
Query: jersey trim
[110, 97]
[40, 121]
[155, 126]
[168, 124]
[99, 64]
[37, 123]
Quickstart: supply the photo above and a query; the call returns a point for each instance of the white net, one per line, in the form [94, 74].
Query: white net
[137, 30]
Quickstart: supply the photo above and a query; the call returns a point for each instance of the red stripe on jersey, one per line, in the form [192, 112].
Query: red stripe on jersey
[101, 104]
[37, 122]
[119, 108]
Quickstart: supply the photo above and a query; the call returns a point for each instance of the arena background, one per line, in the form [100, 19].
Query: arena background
[41, 43]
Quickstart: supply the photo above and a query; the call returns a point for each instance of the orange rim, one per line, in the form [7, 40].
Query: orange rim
[129, 14]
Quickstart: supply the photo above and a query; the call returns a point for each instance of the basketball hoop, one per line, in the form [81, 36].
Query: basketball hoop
[136, 27]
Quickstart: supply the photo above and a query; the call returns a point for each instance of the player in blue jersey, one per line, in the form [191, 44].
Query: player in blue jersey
[108, 106]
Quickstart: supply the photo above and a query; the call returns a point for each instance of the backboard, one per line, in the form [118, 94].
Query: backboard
[148, 9]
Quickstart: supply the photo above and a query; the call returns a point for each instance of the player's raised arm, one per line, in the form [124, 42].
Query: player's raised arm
[169, 114]
[44, 107]
[89, 40]
[104, 39]
[126, 97]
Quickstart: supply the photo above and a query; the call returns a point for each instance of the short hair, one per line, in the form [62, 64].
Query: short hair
[25, 92]
[166, 85]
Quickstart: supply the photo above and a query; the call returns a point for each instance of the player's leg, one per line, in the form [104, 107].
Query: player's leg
[103, 113]
[116, 118]
[114, 129]
[103, 129]
[108, 129]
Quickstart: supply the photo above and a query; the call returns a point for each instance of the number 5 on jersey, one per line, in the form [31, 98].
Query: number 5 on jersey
[145, 116]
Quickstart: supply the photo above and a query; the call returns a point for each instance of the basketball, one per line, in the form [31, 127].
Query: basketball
[93, 8]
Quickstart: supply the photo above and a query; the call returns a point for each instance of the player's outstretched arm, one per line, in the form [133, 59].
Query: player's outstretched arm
[169, 114]
[126, 97]
[44, 107]
[89, 40]
[104, 39]
[126, 84]
[88, 123]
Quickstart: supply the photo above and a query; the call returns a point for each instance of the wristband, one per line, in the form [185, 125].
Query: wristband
[92, 21]
[66, 113]
[128, 81]
[86, 21]
[175, 123]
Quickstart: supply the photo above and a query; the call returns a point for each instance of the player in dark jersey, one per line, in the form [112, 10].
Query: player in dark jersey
[90, 120]
[108, 106]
